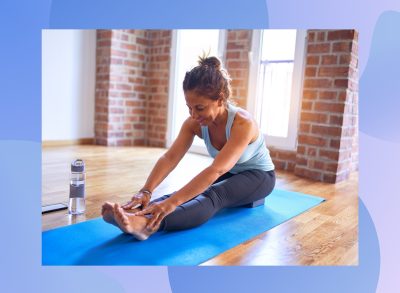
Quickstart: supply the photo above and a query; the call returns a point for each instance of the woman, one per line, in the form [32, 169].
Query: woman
[242, 171]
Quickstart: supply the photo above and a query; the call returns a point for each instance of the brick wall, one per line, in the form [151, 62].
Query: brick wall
[131, 87]
[283, 159]
[328, 122]
[103, 60]
[158, 85]
[132, 95]
[237, 63]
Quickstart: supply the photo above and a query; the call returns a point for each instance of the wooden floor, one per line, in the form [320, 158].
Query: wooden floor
[324, 235]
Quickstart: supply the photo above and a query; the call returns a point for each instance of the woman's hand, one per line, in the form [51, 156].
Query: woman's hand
[141, 198]
[158, 211]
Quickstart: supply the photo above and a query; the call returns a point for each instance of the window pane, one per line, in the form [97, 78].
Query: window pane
[278, 45]
[277, 83]
[191, 45]
[276, 73]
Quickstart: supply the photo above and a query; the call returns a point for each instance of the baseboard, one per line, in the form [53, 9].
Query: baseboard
[79, 141]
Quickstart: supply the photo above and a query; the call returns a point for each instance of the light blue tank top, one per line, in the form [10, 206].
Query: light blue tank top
[255, 156]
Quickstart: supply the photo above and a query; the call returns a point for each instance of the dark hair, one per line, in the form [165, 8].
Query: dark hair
[208, 79]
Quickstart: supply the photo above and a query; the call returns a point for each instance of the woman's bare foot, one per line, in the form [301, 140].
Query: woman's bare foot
[135, 225]
[107, 211]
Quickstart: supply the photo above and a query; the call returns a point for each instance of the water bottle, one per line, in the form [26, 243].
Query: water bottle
[77, 188]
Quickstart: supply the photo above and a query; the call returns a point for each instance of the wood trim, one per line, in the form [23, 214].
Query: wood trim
[79, 141]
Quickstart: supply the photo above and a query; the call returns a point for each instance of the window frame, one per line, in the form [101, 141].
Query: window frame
[253, 101]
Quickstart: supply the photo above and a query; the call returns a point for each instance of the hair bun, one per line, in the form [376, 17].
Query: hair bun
[210, 61]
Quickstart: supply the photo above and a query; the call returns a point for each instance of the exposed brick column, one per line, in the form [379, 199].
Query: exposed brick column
[329, 106]
[121, 100]
[237, 63]
[132, 76]
[103, 61]
[157, 77]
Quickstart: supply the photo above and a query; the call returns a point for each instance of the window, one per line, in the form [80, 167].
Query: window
[276, 75]
[187, 46]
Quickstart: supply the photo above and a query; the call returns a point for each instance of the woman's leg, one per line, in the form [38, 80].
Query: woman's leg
[199, 209]
[227, 191]
[221, 178]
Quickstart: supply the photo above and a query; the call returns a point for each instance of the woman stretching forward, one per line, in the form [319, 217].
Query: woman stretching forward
[242, 170]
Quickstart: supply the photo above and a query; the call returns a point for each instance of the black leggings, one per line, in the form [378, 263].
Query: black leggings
[229, 190]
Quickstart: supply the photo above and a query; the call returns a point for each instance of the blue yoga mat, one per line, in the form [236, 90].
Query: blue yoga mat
[95, 242]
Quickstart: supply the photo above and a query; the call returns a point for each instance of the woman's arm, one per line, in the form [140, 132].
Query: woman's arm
[242, 133]
[167, 162]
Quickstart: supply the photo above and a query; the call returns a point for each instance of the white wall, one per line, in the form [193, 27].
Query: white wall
[68, 84]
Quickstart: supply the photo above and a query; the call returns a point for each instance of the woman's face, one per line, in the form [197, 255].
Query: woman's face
[203, 109]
